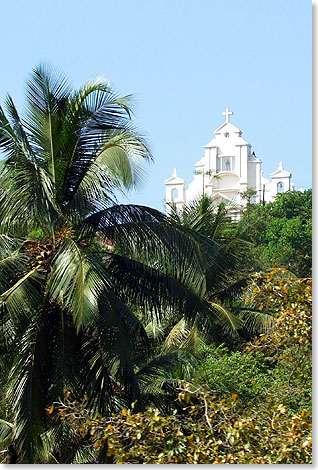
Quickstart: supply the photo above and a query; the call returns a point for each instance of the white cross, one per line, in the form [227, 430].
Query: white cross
[227, 114]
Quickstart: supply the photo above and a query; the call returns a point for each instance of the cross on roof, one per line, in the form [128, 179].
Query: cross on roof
[227, 114]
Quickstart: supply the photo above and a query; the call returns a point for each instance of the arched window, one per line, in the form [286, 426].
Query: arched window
[280, 187]
[174, 194]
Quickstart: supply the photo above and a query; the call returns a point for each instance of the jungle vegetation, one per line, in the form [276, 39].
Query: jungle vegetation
[116, 316]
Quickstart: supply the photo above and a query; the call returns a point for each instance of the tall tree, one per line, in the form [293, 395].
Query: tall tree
[282, 232]
[66, 298]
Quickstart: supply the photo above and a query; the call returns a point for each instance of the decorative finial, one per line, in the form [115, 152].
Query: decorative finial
[227, 114]
[280, 166]
[174, 173]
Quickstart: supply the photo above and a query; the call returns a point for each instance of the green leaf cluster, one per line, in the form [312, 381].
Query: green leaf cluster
[282, 232]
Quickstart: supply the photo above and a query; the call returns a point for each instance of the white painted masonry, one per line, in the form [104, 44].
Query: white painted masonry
[227, 168]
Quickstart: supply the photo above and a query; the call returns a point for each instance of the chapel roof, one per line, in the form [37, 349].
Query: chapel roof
[227, 128]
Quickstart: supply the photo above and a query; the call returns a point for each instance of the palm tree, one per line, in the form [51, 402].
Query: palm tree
[78, 271]
[212, 220]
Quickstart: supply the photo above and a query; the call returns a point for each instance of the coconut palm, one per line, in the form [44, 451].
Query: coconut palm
[212, 220]
[78, 271]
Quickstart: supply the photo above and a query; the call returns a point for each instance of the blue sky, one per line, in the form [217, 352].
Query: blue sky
[184, 61]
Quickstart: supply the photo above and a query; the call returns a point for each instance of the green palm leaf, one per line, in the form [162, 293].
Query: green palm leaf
[76, 282]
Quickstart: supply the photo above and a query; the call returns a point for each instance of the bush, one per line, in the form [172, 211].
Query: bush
[210, 431]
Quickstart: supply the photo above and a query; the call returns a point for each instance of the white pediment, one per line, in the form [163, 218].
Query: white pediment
[175, 179]
[280, 173]
[224, 132]
[221, 197]
[227, 127]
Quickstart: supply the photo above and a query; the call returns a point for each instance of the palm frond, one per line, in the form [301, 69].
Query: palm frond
[26, 393]
[24, 296]
[225, 316]
[26, 197]
[255, 321]
[6, 431]
[183, 336]
[76, 282]
[108, 352]
[159, 377]
[187, 256]
[148, 288]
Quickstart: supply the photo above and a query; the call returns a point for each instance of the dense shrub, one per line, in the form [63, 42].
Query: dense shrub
[210, 431]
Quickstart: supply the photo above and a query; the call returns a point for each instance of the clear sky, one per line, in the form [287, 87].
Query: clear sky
[184, 61]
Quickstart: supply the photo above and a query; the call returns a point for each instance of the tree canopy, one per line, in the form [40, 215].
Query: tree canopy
[282, 232]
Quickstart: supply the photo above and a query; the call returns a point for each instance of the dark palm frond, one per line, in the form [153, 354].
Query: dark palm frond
[26, 393]
[233, 291]
[161, 296]
[106, 222]
[108, 352]
[149, 288]
[159, 377]
[201, 263]
[254, 321]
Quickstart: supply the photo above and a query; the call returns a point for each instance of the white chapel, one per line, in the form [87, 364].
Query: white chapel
[226, 170]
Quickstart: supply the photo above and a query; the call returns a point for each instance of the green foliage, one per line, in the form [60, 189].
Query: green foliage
[282, 232]
[248, 194]
[225, 371]
[287, 346]
[245, 407]
[76, 267]
[208, 431]
[277, 364]
[254, 378]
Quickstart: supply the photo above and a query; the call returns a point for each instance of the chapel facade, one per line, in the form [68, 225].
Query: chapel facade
[227, 169]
